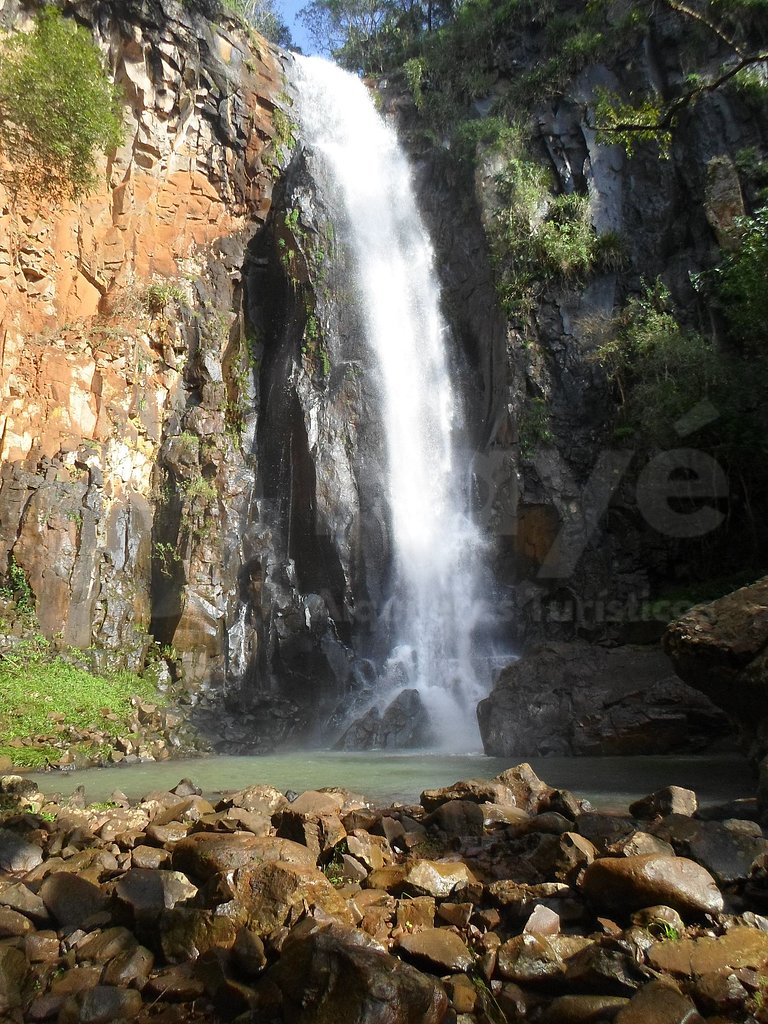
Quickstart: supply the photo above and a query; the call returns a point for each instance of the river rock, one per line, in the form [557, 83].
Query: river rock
[267, 895]
[740, 947]
[101, 1005]
[205, 854]
[583, 1009]
[18, 896]
[629, 883]
[727, 849]
[670, 800]
[527, 790]
[659, 1002]
[437, 949]
[16, 854]
[479, 791]
[336, 974]
[71, 900]
[457, 818]
[145, 892]
[437, 878]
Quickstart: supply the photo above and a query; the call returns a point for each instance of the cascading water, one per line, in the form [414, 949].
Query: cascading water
[437, 548]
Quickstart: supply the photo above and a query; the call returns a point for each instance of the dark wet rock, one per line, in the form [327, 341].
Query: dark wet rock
[720, 649]
[437, 878]
[575, 1009]
[416, 912]
[639, 843]
[727, 849]
[436, 949]
[185, 933]
[129, 969]
[20, 897]
[16, 854]
[479, 791]
[609, 967]
[577, 698]
[186, 787]
[101, 946]
[101, 1005]
[629, 883]
[205, 853]
[248, 953]
[404, 723]
[659, 1002]
[145, 892]
[319, 832]
[275, 893]
[150, 857]
[537, 959]
[670, 800]
[13, 924]
[738, 948]
[13, 970]
[178, 984]
[603, 830]
[528, 791]
[336, 974]
[71, 900]
[575, 853]
[457, 818]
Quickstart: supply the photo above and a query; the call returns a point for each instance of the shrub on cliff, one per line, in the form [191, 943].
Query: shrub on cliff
[58, 109]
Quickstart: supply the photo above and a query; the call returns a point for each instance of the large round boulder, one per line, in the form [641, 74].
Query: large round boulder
[630, 883]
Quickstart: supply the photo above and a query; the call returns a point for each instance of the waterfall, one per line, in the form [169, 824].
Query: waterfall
[436, 547]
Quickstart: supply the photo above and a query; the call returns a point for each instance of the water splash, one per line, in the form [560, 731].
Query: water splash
[437, 548]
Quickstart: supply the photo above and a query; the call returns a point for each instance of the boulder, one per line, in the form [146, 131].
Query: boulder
[437, 878]
[437, 949]
[205, 854]
[269, 895]
[659, 1002]
[479, 791]
[404, 723]
[335, 974]
[721, 649]
[630, 883]
[575, 698]
[71, 900]
[669, 800]
[16, 854]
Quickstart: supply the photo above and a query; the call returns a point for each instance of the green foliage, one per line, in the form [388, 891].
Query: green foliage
[35, 683]
[539, 239]
[741, 283]
[533, 426]
[284, 140]
[160, 294]
[58, 108]
[629, 124]
[17, 588]
[167, 556]
[660, 370]
[200, 487]
[265, 17]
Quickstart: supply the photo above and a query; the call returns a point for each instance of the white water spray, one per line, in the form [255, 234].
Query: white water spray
[437, 547]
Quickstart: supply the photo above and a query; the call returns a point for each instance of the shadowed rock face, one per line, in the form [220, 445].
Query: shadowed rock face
[721, 648]
[564, 698]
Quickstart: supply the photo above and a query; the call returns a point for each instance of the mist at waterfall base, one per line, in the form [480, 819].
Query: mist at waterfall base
[435, 603]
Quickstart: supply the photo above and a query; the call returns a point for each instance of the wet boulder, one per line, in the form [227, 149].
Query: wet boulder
[630, 883]
[205, 854]
[338, 974]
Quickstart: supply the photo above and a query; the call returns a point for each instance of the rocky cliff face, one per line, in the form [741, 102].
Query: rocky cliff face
[125, 458]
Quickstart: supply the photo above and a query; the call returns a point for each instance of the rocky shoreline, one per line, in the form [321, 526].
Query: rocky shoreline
[490, 902]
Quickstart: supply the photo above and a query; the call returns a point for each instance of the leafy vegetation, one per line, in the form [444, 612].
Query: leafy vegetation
[17, 588]
[58, 109]
[741, 283]
[39, 687]
[265, 17]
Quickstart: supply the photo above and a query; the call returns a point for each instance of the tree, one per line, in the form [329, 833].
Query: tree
[58, 109]
[266, 18]
[362, 34]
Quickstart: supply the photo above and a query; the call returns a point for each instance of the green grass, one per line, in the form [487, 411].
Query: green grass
[36, 683]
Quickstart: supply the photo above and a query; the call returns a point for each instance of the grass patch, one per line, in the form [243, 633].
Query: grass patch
[44, 699]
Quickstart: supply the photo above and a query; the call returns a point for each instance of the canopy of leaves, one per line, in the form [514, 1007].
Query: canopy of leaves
[58, 109]
[371, 35]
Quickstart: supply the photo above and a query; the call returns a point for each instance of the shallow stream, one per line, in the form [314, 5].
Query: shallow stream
[609, 782]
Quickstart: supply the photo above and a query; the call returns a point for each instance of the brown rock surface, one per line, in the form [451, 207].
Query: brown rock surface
[629, 883]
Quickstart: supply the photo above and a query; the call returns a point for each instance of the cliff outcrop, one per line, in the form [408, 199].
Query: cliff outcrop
[120, 334]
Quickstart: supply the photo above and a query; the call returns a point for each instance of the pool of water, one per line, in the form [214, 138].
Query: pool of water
[609, 782]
